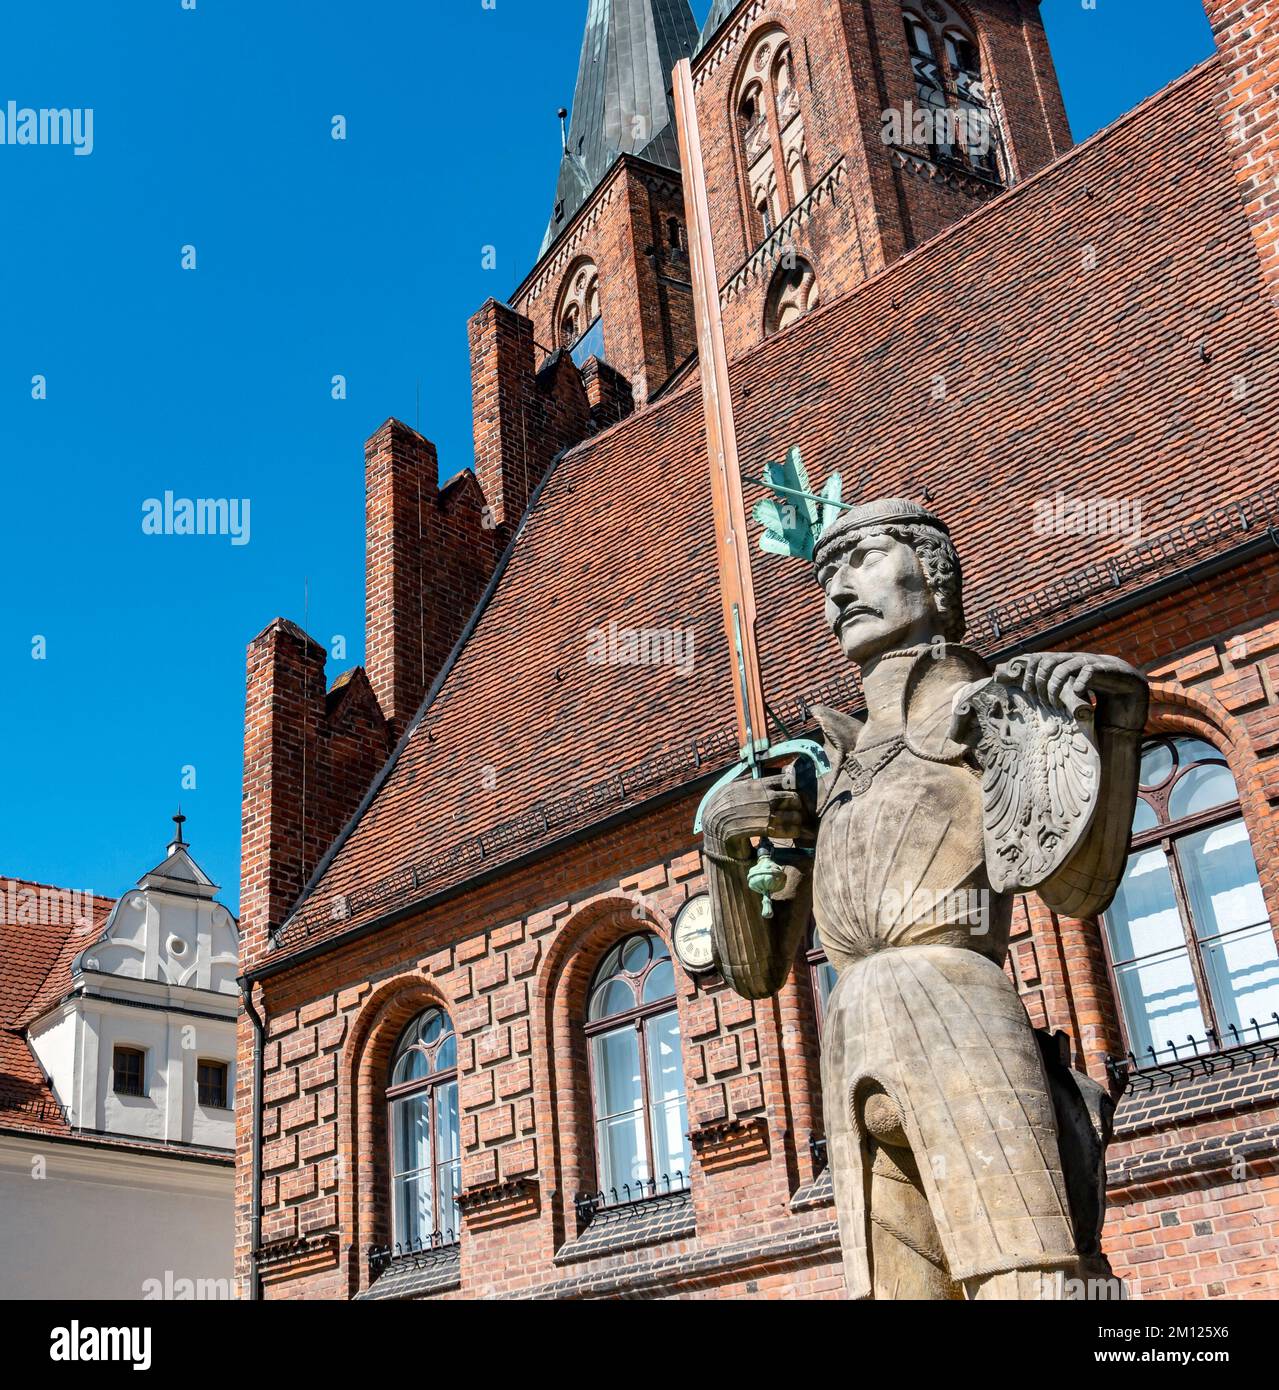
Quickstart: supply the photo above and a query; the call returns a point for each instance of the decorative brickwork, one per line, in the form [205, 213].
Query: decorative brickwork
[646, 296]
[870, 203]
[1247, 34]
[1107, 320]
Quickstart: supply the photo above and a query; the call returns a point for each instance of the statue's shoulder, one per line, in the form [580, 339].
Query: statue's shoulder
[937, 679]
[840, 731]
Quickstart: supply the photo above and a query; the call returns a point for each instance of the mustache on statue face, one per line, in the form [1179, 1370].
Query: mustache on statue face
[855, 610]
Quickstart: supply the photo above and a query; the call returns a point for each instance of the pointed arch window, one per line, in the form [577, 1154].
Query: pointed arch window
[426, 1157]
[580, 323]
[956, 120]
[771, 140]
[1191, 946]
[637, 1071]
[792, 294]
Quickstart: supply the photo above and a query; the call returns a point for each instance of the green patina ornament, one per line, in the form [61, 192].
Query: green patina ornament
[795, 517]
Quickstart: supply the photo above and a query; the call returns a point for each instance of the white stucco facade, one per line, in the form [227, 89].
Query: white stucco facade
[140, 1188]
[86, 1220]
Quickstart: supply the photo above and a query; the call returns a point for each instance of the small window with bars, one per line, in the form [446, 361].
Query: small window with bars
[129, 1071]
[211, 1084]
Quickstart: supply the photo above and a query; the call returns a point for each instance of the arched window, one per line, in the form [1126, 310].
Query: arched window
[976, 127]
[771, 134]
[822, 973]
[426, 1162]
[797, 173]
[580, 325]
[955, 121]
[784, 87]
[637, 1070]
[753, 119]
[1190, 941]
[792, 294]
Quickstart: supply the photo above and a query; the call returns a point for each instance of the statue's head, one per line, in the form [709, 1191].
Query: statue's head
[891, 578]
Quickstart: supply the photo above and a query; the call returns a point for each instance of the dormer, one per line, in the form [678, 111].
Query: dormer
[142, 1042]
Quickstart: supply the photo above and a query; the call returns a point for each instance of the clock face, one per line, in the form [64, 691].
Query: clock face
[693, 942]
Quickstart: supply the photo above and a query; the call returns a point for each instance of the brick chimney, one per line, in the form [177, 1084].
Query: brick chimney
[429, 552]
[309, 756]
[283, 707]
[1247, 35]
[401, 480]
[523, 417]
[608, 392]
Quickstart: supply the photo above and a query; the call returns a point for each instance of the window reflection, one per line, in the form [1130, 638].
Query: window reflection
[1190, 939]
[637, 1070]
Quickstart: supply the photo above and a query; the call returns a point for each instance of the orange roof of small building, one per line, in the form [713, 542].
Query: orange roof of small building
[38, 942]
[1084, 332]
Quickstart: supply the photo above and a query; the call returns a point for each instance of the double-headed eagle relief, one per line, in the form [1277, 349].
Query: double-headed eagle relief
[967, 1157]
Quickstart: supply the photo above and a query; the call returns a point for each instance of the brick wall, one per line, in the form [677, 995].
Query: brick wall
[511, 961]
[1247, 35]
[646, 299]
[867, 205]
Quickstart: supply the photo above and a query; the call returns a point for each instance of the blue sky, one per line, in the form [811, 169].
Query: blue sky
[212, 129]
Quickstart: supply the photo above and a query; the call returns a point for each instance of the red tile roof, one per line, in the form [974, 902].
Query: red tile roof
[1064, 320]
[36, 973]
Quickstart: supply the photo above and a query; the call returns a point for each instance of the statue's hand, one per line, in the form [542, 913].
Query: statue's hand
[749, 808]
[1065, 680]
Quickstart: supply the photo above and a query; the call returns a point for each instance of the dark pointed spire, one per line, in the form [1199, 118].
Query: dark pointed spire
[622, 104]
[178, 842]
[720, 11]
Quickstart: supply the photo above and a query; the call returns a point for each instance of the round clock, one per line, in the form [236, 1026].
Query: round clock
[693, 942]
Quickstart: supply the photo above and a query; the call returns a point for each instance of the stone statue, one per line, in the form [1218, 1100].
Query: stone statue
[967, 1157]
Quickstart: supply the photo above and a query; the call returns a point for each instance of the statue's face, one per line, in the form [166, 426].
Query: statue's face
[877, 599]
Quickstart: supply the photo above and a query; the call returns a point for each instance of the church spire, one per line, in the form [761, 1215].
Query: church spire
[622, 104]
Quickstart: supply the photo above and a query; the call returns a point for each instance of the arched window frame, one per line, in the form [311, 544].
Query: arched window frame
[1170, 835]
[806, 294]
[768, 81]
[643, 1019]
[580, 302]
[932, 26]
[438, 1085]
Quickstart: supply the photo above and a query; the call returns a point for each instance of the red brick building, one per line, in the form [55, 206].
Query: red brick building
[470, 1066]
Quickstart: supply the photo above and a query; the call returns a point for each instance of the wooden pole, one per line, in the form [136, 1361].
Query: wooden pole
[731, 539]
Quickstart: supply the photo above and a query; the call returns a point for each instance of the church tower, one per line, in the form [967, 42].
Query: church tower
[840, 134]
[612, 278]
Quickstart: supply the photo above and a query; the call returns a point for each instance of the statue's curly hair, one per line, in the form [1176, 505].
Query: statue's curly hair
[938, 560]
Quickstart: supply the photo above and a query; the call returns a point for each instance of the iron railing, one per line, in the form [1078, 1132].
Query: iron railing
[438, 1245]
[1197, 1056]
[37, 1107]
[617, 1201]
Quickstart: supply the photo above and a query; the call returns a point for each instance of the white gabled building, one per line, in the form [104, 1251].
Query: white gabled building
[117, 1079]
